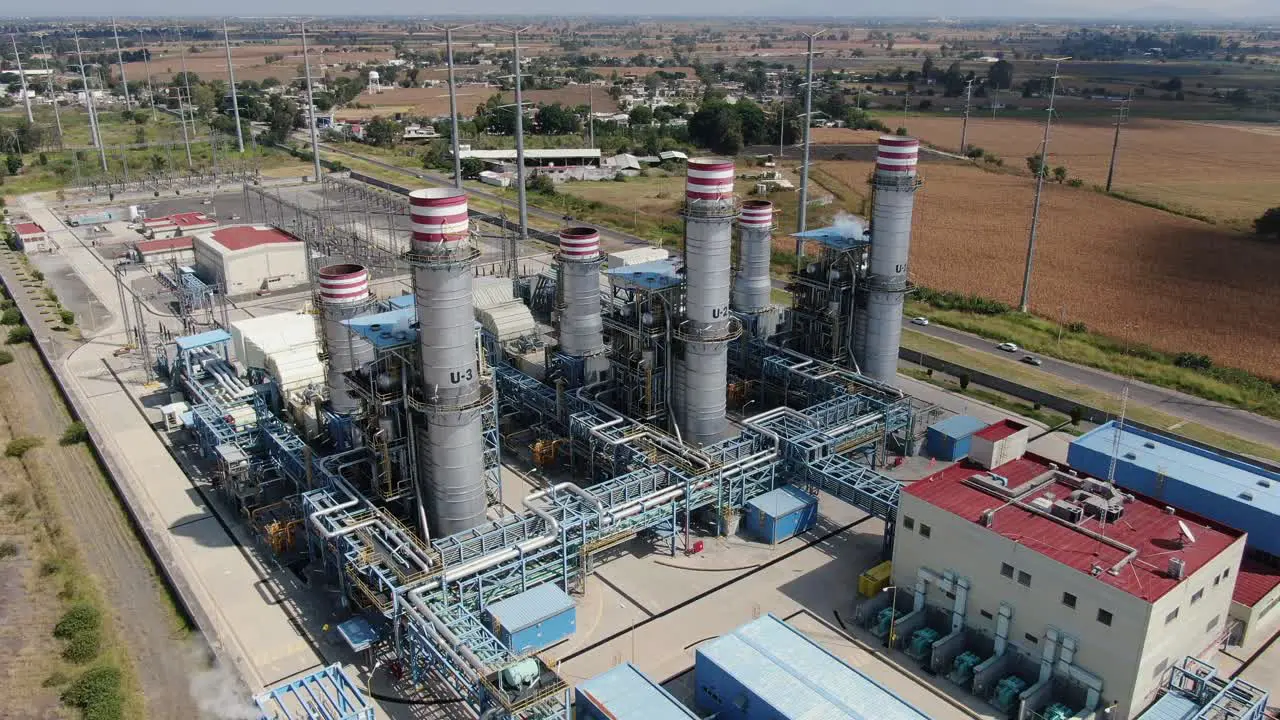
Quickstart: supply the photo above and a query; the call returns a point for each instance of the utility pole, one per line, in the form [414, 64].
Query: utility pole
[782, 129]
[520, 190]
[88, 97]
[591, 119]
[182, 107]
[964, 127]
[124, 79]
[453, 102]
[146, 61]
[1121, 116]
[311, 103]
[808, 121]
[1042, 171]
[26, 98]
[57, 115]
[231, 76]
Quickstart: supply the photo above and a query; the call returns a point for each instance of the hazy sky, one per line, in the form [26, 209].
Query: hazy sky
[1205, 10]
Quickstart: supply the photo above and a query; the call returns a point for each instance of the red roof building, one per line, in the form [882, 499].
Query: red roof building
[251, 259]
[186, 222]
[242, 237]
[31, 237]
[1044, 561]
[28, 229]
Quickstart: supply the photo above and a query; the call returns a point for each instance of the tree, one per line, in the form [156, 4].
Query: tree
[927, 69]
[641, 115]
[1036, 164]
[755, 126]
[717, 126]
[472, 167]
[382, 131]
[556, 119]
[1000, 75]
[1060, 174]
[1268, 226]
[284, 116]
[953, 81]
[13, 163]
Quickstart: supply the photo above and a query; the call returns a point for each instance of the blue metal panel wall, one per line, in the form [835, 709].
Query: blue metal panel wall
[768, 527]
[719, 693]
[542, 634]
[1233, 512]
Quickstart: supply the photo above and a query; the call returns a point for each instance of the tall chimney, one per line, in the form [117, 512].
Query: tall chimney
[581, 329]
[343, 293]
[708, 326]
[752, 289]
[450, 443]
[895, 185]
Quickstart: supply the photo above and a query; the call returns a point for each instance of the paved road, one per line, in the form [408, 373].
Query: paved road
[1206, 412]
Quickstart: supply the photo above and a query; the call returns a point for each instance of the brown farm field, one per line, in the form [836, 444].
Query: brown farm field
[1224, 171]
[434, 101]
[249, 62]
[1128, 271]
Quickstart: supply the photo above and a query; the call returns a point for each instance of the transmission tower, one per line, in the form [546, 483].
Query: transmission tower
[1122, 116]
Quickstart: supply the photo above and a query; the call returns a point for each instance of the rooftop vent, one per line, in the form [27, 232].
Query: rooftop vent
[1149, 445]
[1168, 510]
[1070, 512]
[1246, 496]
[1130, 456]
[1264, 483]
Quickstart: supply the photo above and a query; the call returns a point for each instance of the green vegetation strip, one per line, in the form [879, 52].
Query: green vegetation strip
[1054, 385]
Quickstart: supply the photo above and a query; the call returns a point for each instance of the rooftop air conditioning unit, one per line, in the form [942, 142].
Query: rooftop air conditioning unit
[1177, 568]
[1070, 512]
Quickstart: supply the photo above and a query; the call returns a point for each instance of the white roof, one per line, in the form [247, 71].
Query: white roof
[491, 291]
[255, 338]
[563, 153]
[508, 321]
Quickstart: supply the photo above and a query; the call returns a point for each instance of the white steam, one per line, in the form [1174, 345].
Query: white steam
[849, 225]
[216, 690]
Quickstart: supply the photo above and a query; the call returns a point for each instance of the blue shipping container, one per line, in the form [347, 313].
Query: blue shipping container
[949, 439]
[780, 514]
[534, 619]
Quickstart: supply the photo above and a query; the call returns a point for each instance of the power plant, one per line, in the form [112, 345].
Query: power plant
[657, 399]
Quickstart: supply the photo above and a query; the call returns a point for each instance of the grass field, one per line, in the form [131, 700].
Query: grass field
[1224, 171]
[1130, 272]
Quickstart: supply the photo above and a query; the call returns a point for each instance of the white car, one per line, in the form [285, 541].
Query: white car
[1007, 347]
[920, 321]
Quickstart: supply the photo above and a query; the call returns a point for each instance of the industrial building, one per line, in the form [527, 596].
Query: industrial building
[31, 238]
[177, 224]
[1228, 489]
[1043, 589]
[625, 693]
[766, 669]
[250, 258]
[180, 250]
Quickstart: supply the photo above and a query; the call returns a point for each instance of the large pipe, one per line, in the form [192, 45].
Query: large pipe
[895, 186]
[342, 292]
[581, 327]
[451, 460]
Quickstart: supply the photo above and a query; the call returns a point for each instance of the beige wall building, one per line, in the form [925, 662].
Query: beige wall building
[1087, 594]
[250, 259]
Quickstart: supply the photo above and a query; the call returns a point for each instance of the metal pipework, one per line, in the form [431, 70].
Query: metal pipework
[581, 328]
[343, 293]
[709, 212]
[451, 443]
[895, 186]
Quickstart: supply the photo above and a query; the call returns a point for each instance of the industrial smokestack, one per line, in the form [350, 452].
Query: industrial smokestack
[581, 329]
[450, 443]
[895, 185]
[343, 293]
[703, 375]
[752, 289]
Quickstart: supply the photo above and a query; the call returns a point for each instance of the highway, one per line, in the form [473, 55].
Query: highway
[1242, 423]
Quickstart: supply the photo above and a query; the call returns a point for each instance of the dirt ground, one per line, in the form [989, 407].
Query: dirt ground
[843, 136]
[434, 101]
[249, 62]
[1226, 171]
[152, 633]
[1129, 271]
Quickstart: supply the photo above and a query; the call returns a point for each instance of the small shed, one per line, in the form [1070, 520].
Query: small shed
[781, 514]
[625, 693]
[534, 619]
[949, 439]
[32, 238]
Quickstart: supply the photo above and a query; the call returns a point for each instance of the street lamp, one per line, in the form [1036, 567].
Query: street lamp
[893, 618]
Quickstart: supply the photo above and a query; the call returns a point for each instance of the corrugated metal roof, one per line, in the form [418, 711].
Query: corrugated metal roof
[782, 501]
[1000, 430]
[958, 426]
[1187, 463]
[1254, 581]
[1171, 706]
[488, 292]
[530, 607]
[402, 301]
[627, 694]
[796, 676]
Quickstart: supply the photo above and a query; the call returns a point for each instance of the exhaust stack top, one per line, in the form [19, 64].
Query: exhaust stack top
[440, 220]
[342, 293]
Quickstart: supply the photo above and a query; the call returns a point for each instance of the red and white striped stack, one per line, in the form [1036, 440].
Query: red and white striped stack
[709, 179]
[756, 214]
[896, 156]
[439, 218]
[343, 284]
[579, 243]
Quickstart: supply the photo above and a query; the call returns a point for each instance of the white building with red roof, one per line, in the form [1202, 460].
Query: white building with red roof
[250, 258]
[163, 250]
[32, 238]
[1085, 592]
[185, 223]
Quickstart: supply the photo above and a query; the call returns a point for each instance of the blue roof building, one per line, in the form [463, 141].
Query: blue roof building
[1188, 476]
[625, 693]
[768, 670]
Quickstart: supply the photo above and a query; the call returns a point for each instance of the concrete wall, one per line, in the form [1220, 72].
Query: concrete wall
[1124, 654]
[1261, 620]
